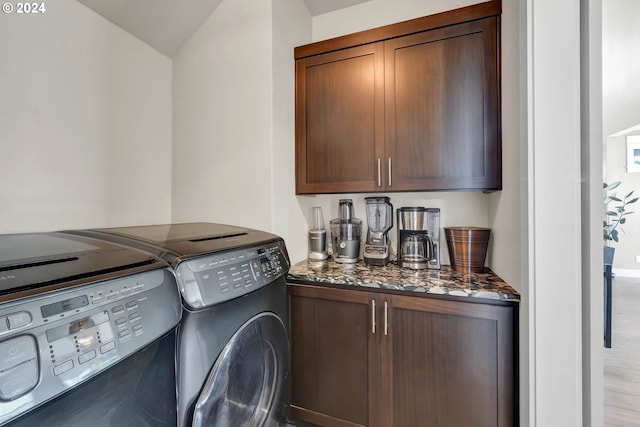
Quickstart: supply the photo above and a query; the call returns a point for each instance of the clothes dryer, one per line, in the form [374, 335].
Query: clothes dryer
[233, 349]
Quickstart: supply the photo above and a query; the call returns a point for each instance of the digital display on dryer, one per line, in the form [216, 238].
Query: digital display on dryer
[65, 305]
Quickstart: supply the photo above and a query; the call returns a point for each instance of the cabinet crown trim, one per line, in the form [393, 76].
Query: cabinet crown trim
[430, 22]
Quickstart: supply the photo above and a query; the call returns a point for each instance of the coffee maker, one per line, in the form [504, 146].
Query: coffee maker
[345, 233]
[379, 221]
[418, 238]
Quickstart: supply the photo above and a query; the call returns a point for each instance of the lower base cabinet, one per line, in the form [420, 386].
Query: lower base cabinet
[361, 358]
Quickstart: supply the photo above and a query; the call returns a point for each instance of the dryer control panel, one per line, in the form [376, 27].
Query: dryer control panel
[215, 278]
[55, 341]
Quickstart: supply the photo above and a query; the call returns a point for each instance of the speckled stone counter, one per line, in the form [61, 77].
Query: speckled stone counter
[445, 281]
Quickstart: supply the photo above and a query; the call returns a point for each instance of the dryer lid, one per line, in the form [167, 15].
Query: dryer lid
[38, 262]
[175, 242]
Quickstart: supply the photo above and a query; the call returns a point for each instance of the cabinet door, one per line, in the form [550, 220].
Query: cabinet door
[442, 108]
[339, 121]
[334, 357]
[447, 364]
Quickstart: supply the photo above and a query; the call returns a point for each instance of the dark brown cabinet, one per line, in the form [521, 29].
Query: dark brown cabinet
[416, 112]
[371, 359]
[335, 357]
[339, 124]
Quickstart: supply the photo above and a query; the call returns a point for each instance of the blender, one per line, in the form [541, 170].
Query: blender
[379, 221]
[317, 237]
[345, 234]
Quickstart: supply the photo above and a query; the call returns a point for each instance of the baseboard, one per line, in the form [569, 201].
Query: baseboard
[626, 272]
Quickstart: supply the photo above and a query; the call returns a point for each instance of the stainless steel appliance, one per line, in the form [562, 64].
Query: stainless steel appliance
[233, 349]
[345, 233]
[379, 221]
[317, 237]
[418, 237]
[87, 334]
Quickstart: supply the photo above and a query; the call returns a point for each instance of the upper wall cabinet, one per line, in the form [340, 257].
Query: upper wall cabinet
[413, 106]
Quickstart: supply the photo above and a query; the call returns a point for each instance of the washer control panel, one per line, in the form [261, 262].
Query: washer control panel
[215, 278]
[52, 342]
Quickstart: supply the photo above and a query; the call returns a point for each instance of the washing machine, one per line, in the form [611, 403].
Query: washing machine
[87, 333]
[233, 349]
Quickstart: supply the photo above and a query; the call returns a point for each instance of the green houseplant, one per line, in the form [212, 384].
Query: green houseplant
[615, 215]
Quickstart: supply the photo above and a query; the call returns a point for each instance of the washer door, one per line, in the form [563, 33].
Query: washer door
[247, 384]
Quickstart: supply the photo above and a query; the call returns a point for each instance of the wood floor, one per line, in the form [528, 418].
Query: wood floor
[622, 360]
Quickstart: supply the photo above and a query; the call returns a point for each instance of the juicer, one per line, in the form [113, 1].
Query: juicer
[379, 222]
[345, 234]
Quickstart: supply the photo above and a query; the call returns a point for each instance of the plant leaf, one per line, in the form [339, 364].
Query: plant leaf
[612, 186]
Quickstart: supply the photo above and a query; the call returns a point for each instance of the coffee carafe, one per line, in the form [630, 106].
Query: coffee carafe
[345, 233]
[379, 222]
[418, 237]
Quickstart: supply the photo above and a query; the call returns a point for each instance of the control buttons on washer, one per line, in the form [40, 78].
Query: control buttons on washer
[97, 300]
[18, 320]
[256, 268]
[137, 329]
[134, 316]
[138, 288]
[117, 309]
[126, 291]
[113, 295]
[15, 351]
[121, 321]
[132, 305]
[18, 380]
[18, 367]
[85, 357]
[124, 334]
[63, 367]
[104, 348]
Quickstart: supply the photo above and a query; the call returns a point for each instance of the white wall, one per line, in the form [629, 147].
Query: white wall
[376, 13]
[223, 118]
[552, 287]
[505, 216]
[85, 123]
[291, 27]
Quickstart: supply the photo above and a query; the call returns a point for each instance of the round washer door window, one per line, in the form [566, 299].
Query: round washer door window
[247, 382]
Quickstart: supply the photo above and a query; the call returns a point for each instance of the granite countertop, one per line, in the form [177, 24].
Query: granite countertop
[486, 285]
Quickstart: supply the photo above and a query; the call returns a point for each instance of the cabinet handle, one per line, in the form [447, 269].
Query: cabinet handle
[373, 316]
[379, 177]
[386, 318]
[389, 171]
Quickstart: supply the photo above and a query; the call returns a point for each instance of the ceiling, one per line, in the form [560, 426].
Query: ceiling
[166, 25]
